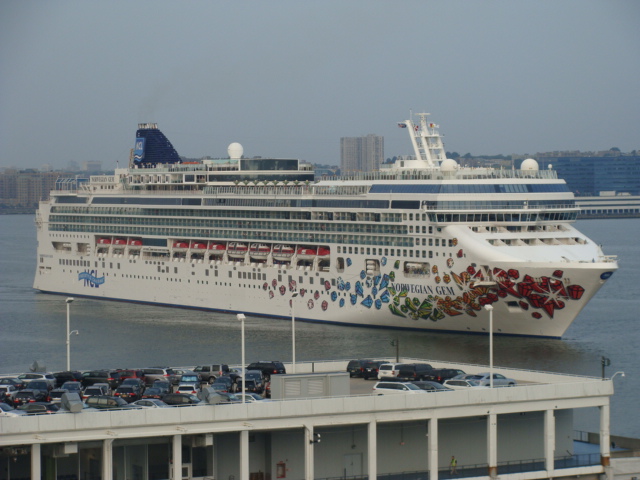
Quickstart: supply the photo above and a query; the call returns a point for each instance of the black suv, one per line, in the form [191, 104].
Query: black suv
[355, 368]
[441, 374]
[112, 377]
[268, 368]
[414, 371]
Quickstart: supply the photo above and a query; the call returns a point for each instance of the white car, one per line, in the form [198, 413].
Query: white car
[188, 388]
[387, 370]
[9, 391]
[461, 383]
[393, 388]
[28, 377]
[484, 379]
[9, 411]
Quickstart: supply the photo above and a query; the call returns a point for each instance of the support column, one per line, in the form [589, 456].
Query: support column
[176, 457]
[432, 454]
[372, 456]
[492, 444]
[36, 462]
[549, 442]
[309, 447]
[244, 455]
[107, 459]
[605, 439]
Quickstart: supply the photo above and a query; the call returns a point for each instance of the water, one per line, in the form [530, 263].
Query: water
[114, 334]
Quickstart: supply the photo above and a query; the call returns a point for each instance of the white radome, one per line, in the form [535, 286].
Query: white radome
[448, 165]
[529, 164]
[235, 150]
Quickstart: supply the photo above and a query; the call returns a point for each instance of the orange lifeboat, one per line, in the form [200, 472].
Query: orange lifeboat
[324, 251]
[197, 246]
[180, 245]
[283, 252]
[104, 241]
[119, 241]
[135, 242]
[237, 250]
[259, 250]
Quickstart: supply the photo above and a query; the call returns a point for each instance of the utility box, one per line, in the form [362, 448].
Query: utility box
[309, 385]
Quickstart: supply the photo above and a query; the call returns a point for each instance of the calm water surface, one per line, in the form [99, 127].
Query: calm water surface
[32, 327]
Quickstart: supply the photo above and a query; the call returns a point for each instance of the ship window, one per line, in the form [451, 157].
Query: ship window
[430, 254]
[393, 252]
[386, 251]
[430, 231]
[230, 274]
[417, 269]
[340, 264]
[311, 280]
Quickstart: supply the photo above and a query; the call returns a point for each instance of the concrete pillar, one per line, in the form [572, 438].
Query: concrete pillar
[36, 462]
[244, 455]
[176, 457]
[309, 450]
[107, 459]
[549, 442]
[605, 439]
[492, 444]
[432, 454]
[372, 455]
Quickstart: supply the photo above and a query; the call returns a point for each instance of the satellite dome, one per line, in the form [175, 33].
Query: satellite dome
[448, 165]
[529, 164]
[235, 151]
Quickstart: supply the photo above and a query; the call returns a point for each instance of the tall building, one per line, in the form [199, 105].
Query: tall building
[364, 154]
[25, 189]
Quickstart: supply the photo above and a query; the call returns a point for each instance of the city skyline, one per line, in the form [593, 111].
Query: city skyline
[291, 79]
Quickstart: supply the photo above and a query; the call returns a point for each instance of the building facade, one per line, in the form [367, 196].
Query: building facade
[363, 154]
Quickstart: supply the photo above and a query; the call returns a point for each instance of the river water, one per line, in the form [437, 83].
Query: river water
[116, 334]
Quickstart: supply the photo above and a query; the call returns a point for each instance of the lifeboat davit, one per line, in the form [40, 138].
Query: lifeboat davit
[104, 241]
[198, 246]
[259, 250]
[282, 252]
[180, 245]
[237, 250]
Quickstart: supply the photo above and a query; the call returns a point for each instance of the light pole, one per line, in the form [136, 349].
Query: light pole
[69, 333]
[293, 334]
[489, 308]
[241, 318]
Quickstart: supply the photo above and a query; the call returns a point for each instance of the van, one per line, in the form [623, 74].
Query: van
[388, 370]
[156, 373]
[105, 402]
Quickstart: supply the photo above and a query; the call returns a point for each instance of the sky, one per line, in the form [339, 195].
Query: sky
[289, 78]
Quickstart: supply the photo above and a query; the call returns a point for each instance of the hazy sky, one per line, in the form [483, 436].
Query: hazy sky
[289, 78]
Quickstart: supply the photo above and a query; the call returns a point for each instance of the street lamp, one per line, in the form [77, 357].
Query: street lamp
[617, 373]
[241, 318]
[69, 333]
[293, 334]
[489, 308]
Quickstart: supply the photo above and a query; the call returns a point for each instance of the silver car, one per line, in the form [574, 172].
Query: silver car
[484, 379]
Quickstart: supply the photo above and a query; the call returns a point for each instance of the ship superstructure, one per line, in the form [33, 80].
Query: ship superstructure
[422, 244]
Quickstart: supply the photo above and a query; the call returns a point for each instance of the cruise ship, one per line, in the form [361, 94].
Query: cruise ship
[424, 243]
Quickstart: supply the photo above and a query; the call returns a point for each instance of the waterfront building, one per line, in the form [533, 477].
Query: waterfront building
[520, 432]
[363, 154]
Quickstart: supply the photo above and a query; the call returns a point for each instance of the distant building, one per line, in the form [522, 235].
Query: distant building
[364, 154]
[92, 166]
[604, 174]
[24, 189]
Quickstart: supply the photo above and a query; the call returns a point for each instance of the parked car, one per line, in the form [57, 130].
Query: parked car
[73, 386]
[227, 382]
[136, 383]
[95, 390]
[153, 393]
[8, 393]
[16, 382]
[176, 376]
[392, 388]
[387, 370]
[413, 371]
[150, 403]
[190, 377]
[250, 385]
[209, 373]
[56, 394]
[129, 373]
[461, 383]
[355, 368]
[30, 396]
[29, 377]
[36, 408]
[43, 385]
[165, 387]
[63, 377]
[180, 399]
[428, 386]
[250, 397]
[187, 388]
[129, 393]
[106, 402]
[371, 369]
[441, 374]
[156, 373]
[110, 377]
[8, 411]
[268, 368]
[484, 379]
